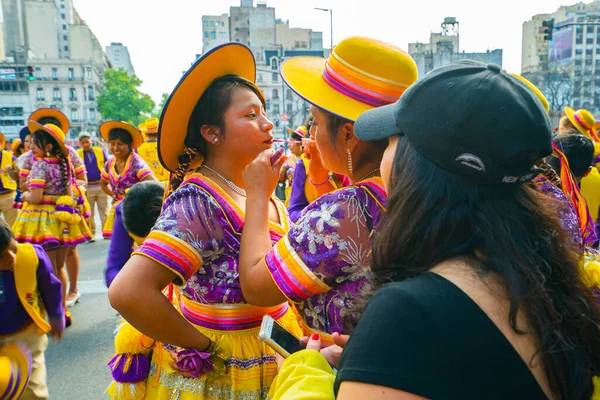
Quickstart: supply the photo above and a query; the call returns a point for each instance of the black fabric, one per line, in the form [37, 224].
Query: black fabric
[425, 336]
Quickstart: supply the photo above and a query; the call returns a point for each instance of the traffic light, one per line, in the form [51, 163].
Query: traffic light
[31, 76]
[548, 26]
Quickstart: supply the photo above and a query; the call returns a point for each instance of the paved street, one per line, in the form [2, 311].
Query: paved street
[77, 366]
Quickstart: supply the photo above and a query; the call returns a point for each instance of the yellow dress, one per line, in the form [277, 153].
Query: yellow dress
[149, 153]
[197, 238]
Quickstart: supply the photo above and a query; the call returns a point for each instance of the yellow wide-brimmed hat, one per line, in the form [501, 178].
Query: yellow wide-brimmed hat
[136, 134]
[151, 126]
[538, 93]
[51, 112]
[227, 59]
[301, 130]
[584, 121]
[2, 141]
[15, 145]
[15, 370]
[53, 131]
[360, 74]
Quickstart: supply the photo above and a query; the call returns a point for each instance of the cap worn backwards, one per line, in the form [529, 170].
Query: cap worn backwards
[470, 118]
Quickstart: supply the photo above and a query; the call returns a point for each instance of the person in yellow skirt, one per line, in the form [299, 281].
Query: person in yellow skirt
[208, 346]
[149, 150]
[8, 185]
[53, 213]
[125, 169]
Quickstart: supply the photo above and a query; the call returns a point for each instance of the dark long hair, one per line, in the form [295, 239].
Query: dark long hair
[41, 139]
[210, 110]
[510, 230]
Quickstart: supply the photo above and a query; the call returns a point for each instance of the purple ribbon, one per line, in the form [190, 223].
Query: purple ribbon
[194, 362]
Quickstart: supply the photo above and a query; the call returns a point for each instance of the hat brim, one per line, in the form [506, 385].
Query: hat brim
[304, 75]
[377, 124]
[571, 117]
[35, 126]
[2, 141]
[136, 135]
[227, 59]
[54, 113]
[20, 354]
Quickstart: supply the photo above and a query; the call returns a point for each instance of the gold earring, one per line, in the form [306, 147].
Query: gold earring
[350, 168]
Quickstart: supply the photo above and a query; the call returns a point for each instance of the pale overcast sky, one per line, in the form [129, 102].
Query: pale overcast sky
[163, 37]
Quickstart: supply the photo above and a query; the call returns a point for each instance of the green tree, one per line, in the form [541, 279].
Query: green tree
[121, 99]
[163, 101]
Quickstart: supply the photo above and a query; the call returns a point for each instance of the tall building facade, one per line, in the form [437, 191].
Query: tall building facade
[66, 59]
[119, 57]
[567, 67]
[271, 41]
[444, 48]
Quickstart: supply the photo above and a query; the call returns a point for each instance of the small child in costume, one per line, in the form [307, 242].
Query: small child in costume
[29, 292]
[134, 218]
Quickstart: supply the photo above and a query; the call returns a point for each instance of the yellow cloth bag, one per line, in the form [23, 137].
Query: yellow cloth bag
[305, 375]
[590, 189]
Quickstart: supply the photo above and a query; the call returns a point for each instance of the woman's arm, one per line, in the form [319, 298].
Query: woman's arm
[136, 293]
[106, 188]
[34, 196]
[150, 177]
[23, 184]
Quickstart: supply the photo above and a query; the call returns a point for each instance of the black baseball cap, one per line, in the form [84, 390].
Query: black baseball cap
[470, 118]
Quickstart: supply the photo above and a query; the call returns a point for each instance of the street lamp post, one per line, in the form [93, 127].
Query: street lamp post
[330, 24]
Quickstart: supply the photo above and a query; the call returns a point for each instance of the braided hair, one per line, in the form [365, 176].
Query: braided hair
[41, 139]
[210, 110]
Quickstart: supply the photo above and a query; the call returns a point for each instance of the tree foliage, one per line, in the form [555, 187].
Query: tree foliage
[558, 85]
[159, 108]
[121, 99]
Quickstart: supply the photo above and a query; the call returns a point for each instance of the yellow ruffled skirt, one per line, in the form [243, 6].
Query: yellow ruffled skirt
[38, 224]
[245, 367]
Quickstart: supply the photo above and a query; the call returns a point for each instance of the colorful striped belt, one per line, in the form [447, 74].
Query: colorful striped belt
[228, 317]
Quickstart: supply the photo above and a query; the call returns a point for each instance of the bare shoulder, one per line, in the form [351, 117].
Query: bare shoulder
[360, 391]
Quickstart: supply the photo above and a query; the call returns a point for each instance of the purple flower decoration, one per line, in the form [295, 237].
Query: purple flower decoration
[194, 362]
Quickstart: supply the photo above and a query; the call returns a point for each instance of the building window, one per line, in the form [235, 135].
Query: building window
[66, 48]
[205, 24]
[39, 94]
[89, 72]
[259, 77]
[274, 63]
[65, 37]
[276, 109]
[275, 94]
[91, 93]
[275, 77]
[213, 35]
[72, 94]
[54, 74]
[221, 34]
[71, 74]
[62, 6]
[579, 39]
[288, 94]
[206, 34]
[212, 24]
[237, 17]
[74, 114]
[92, 114]
[38, 73]
[64, 27]
[589, 40]
[63, 16]
[56, 94]
[590, 29]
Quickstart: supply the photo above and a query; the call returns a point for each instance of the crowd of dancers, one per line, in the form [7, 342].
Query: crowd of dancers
[425, 239]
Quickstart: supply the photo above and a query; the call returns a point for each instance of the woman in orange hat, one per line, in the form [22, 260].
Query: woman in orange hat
[125, 169]
[53, 213]
[322, 262]
[212, 126]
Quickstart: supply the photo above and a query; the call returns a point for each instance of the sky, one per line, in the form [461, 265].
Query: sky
[163, 37]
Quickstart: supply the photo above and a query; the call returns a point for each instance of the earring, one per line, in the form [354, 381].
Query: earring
[216, 140]
[350, 169]
[47, 154]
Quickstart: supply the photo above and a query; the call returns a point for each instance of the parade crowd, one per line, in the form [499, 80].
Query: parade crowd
[423, 239]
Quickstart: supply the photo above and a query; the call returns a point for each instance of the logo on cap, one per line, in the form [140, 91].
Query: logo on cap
[471, 161]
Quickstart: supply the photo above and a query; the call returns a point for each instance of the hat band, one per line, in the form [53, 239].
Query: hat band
[352, 90]
[581, 122]
[299, 132]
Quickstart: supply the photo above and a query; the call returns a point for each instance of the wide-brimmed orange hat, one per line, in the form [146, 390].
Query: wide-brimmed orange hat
[53, 131]
[151, 126]
[227, 59]
[15, 370]
[15, 145]
[136, 134]
[51, 112]
[301, 130]
[360, 74]
[583, 121]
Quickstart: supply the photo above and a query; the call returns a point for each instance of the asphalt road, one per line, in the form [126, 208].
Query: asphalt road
[77, 366]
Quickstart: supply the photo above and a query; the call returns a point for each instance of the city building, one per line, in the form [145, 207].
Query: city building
[444, 48]
[271, 41]
[564, 66]
[50, 58]
[119, 57]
